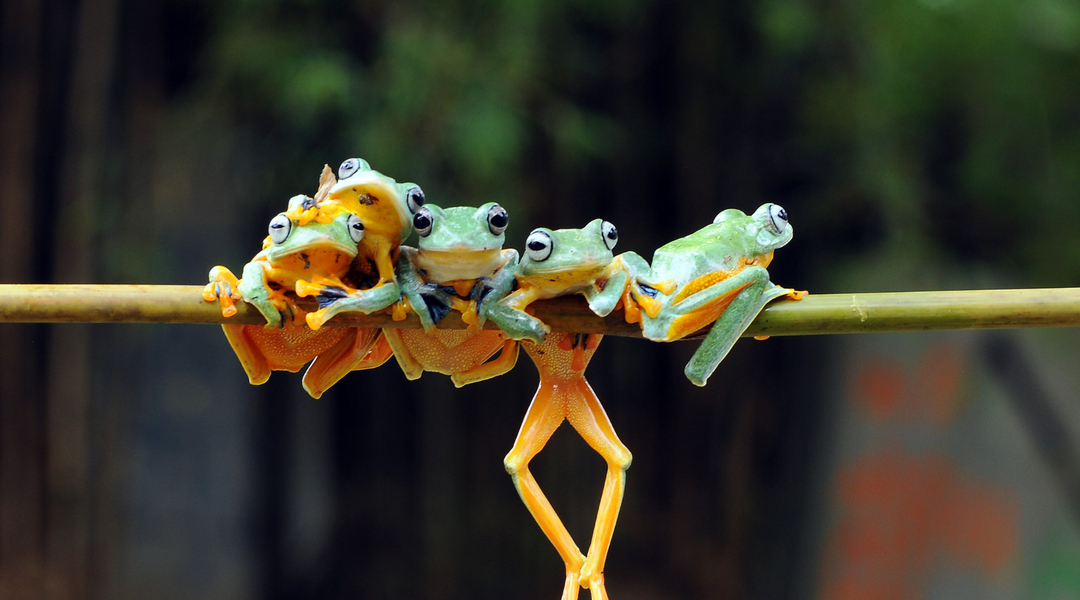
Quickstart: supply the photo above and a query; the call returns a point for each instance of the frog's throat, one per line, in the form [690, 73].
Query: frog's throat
[446, 266]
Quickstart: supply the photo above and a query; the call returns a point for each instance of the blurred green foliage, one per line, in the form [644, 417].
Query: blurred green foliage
[917, 132]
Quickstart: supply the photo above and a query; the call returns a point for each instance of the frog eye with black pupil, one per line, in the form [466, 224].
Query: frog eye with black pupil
[348, 168]
[414, 198]
[538, 246]
[778, 216]
[356, 228]
[611, 235]
[497, 220]
[422, 222]
[279, 229]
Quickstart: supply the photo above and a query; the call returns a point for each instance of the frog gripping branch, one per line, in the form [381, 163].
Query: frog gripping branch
[302, 242]
[343, 247]
[716, 274]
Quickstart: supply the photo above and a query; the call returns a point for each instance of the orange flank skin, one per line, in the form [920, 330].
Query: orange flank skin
[565, 395]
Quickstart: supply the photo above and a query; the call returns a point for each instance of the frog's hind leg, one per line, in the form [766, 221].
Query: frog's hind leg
[593, 425]
[492, 368]
[252, 359]
[545, 415]
[726, 331]
[330, 366]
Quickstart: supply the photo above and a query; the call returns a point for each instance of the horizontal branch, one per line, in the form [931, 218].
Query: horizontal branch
[814, 314]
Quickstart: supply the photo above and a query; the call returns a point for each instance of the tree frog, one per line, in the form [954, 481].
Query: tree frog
[558, 263]
[565, 395]
[292, 251]
[459, 265]
[718, 274]
[386, 209]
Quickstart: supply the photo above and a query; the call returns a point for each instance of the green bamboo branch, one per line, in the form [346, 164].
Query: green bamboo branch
[814, 314]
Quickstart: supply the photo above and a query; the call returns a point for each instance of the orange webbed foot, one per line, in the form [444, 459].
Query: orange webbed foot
[224, 287]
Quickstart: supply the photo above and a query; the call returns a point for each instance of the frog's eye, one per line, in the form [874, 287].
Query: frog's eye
[778, 217]
[350, 167]
[538, 245]
[497, 220]
[423, 221]
[414, 198]
[356, 228]
[611, 235]
[280, 226]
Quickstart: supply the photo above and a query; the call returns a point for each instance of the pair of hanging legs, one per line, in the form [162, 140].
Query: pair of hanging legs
[565, 395]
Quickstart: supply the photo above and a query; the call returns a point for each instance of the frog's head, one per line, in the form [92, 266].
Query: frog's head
[768, 226]
[386, 206]
[336, 239]
[548, 251]
[461, 229]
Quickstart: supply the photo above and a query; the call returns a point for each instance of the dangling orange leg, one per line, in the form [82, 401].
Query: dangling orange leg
[544, 416]
[564, 393]
[587, 416]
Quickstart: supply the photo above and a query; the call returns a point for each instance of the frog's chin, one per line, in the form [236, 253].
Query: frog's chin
[452, 265]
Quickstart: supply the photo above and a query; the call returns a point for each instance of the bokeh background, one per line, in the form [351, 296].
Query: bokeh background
[916, 144]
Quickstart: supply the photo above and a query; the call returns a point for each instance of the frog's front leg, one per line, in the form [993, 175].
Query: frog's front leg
[747, 293]
[509, 314]
[641, 289]
[603, 300]
[254, 288]
[429, 304]
[223, 287]
[488, 292]
[334, 300]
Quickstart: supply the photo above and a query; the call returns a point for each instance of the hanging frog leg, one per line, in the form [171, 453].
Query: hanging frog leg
[588, 417]
[544, 416]
[252, 359]
[333, 364]
[408, 363]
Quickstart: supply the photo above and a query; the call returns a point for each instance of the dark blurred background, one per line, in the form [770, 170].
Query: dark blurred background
[916, 144]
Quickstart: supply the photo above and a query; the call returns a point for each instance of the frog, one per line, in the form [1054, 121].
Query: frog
[565, 395]
[459, 264]
[563, 262]
[292, 251]
[386, 208]
[718, 274]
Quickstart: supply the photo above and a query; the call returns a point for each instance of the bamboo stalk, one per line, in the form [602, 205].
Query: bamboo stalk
[814, 314]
